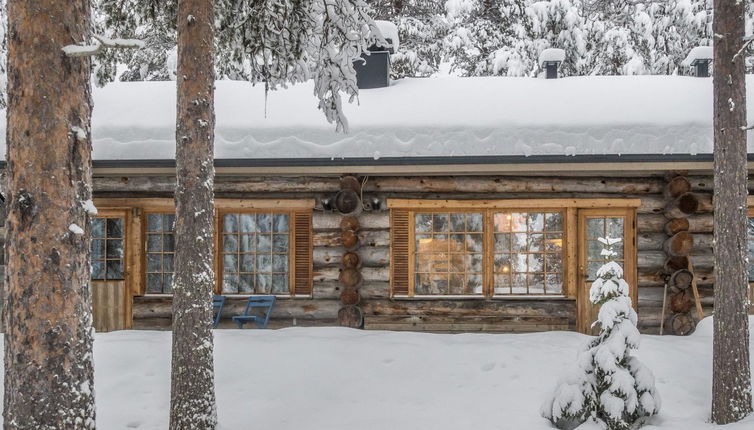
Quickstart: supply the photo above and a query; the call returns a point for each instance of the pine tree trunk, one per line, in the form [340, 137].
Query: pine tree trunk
[193, 385]
[47, 312]
[731, 384]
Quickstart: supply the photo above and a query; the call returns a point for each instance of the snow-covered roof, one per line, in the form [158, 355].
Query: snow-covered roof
[550, 55]
[433, 117]
[389, 31]
[698, 53]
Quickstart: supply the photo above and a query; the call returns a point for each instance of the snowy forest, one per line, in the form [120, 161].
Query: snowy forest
[461, 37]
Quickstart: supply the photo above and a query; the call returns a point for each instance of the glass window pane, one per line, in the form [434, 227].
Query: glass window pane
[594, 250]
[502, 242]
[264, 283]
[248, 263]
[230, 223]
[536, 263]
[264, 243]
[475, 262]
[280, 284]
[98, 227]
[154, 222]
[536, 242]
[154, 243]
[536, 221]
[154, 263]
[518, 242]
[457, 222]
[154, 283]
[554, 284]
[279, 263]
[614, 227]
[536, 283]
[264, 223]
[502, 222]
[115, 227]
[553, 222]
[230, 263]
[518, 222]
[98, 269]
[168, 243]
[595, 228]
[248, 223]
[474, 242]
[457, 284]
[167, 283]
[554, 242]
[518, 283]
[246, 284]
[98, 248]
[422, 284]
[264, 263]
[502, 284]
[230, 243]
[474, 222]
[503, 263]
[280, 243]
[474, 284]
[230, 283]
[247, 243]
[280, 223]
[440, 223]
[519, 262]
[457, 263]
[423, 223]
[554, 263]
[114, 248]
[114, 269]
[168, 222]
[167, 262]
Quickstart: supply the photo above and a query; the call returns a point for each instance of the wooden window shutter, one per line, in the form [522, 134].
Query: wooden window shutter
[400, 236]
[302, 253]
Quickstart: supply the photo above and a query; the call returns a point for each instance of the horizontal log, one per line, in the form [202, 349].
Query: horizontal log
[366, 238]
[677, 186]
[676, 225]
[331, 220]
[683, 206]
[509, 184]
[369, 273]
[655, 223]
[369, 290]
[655, 242]
[440, 307]
[649, 261]
[146, 307]
[223, 184]
[468, 324]
[378, 256]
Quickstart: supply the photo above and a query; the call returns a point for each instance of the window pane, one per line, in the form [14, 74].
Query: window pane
[167, 262]
[98, 269]
[114, 248]
[423, 223]
[247, 243]
[154, 263]
[536, 283]
[230, 263]
[115, 227]
[248, 223]
[167, 283]
[614, 227]
[279, 263]
[280, 243]
[230, 283]
[248, 263]
[246, 284]
[264, 263]
[554, 242]
[553, 222]
[230, 223]
[264, 223]
[154, 283]
[536, 263]
[502, 242]
[154, 243]
[264, 243]
[168, 222]
[518, 222]
[154, 222]
[474, 242]
[554, 284]
[264, 283]
[457, 222]
[114, 269]
[279, 284]
[168, 243]
[595, 228]
[474, 222]
[536, 221]
[502, 222]
[98, 248]
[230, 243]
[98, 227]
[280, 223]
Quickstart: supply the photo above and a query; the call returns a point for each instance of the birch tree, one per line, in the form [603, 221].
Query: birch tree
[192, 394]
[47, 312]
[731, 383]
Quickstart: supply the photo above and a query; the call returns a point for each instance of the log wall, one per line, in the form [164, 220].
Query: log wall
[380, 312]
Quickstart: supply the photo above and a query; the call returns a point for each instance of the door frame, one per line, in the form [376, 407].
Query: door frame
[124, 213]
[583, 305]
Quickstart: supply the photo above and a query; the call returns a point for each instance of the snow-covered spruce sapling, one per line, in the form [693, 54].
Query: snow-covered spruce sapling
[608, 385]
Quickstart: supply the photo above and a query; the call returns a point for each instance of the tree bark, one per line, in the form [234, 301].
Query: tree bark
[731, 383]
[48, 312]
[192, 400]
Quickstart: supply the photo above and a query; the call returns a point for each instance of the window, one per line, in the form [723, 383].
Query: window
[255, 253]
[107, 249]
[160, 250]
[505, 248]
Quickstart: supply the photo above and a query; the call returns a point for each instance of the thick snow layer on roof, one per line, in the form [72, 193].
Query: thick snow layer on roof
[389, 31]
[424, 117]
[698, 53]
[550, 55]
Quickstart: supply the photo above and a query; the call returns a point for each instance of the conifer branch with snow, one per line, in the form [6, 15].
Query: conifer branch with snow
[98, 48]
[608, 385]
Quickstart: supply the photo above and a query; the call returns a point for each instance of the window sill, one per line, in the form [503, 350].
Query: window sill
[495, 298]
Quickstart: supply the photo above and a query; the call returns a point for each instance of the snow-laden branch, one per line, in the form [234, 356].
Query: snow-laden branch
[747, 42]
[104, 43]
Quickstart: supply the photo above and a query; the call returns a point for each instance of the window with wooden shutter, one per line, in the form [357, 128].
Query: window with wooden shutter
[302, 253]
[400, 234]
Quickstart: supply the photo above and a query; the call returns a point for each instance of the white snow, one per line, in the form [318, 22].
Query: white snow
[75, 229]
[698, 53]
[89, 207]
[340, 379]
[423, 117]
[550, 55]
[389, 31]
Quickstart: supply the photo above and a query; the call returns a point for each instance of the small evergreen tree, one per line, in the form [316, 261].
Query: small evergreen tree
[609, 385]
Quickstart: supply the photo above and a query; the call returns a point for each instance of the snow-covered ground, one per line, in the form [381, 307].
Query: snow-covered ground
[341, 379]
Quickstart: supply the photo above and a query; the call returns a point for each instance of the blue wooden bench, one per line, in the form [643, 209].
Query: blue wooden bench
[217, 305]
[265, 303]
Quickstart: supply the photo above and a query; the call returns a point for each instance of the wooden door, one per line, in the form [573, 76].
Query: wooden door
[110, 298]
[593, 224]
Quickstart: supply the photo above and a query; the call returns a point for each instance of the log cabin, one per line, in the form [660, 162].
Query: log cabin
[451, 205]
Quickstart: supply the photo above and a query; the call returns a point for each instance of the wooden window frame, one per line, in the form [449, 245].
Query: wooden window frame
[115, 213]
[568, 207]
[136, 225]
[219, 233]
[144, 234]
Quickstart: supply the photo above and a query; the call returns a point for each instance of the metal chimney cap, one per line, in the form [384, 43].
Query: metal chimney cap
[697, 55]
[551, 55]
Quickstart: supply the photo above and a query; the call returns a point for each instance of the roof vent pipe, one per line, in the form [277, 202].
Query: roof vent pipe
[550, 60]
[699, 58]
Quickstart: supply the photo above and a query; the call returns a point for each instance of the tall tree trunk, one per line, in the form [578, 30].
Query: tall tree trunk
[193, 384]
[48, 313]
[731, 384]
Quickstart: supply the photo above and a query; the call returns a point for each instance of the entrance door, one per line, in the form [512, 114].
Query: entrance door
[109, 270]
[594, 224]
